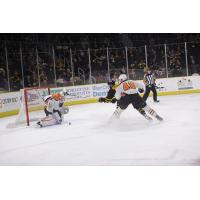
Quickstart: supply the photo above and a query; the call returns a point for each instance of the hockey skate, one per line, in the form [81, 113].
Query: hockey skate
[159, 118]
[39, 124]
[148, 118]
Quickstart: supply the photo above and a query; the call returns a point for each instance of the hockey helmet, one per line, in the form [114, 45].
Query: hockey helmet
[56, 96]
[122, 78]
[111, 83]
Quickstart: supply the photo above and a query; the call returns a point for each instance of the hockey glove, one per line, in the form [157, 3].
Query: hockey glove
[66, 93]
[101, 100]
[61, 104]
[140, 90]
[114, 100]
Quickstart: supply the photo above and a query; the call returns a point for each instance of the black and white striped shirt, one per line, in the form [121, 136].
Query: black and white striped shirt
[149, 79]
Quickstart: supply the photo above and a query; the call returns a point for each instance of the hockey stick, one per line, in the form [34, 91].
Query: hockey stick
[157, 87]
[40, 96]
[72, 95]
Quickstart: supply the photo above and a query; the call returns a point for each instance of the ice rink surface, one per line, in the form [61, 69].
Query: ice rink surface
[91, 140]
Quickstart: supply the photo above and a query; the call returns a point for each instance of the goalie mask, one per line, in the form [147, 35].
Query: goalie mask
[56, 96]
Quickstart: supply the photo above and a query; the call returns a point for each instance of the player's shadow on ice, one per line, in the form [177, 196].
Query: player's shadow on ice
[127, 125]
[131, 126]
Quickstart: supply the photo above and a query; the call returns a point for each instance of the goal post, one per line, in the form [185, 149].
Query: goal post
[31, 99]
[26, 93]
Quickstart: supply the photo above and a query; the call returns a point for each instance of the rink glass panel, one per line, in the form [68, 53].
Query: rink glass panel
[99, 65]
[193, 51]
[80, 62]
[49, 65]
[117, 61]
[30, 65]
[3, 70]
[64, 67]
[176, 60]
[136, 62]
[47, 74]
[156, 60]
[15, 65]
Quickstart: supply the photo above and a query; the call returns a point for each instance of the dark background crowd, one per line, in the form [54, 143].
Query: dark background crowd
[39, 57]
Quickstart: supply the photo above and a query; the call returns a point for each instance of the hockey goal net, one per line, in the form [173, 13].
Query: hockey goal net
[31, 99]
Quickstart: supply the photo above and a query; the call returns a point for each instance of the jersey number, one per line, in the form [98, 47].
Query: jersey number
[128, 85]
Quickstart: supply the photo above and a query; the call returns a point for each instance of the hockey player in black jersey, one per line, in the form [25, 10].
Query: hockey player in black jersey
[110, 98]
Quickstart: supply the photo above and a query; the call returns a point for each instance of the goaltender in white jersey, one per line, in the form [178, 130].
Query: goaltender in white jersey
[54, 109]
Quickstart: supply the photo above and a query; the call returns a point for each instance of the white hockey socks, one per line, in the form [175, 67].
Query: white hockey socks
[152, 113]
[116, 114]
[143, 113]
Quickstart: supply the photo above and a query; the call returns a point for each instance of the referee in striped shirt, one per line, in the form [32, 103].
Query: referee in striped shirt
[149, 81]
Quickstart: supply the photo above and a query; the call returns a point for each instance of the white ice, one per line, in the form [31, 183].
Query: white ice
[90, 140]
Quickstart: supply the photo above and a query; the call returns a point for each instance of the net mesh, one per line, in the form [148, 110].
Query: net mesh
[35, 101]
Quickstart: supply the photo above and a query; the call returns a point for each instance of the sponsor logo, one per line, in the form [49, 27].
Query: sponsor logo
[36, 98]
[99, 94]
[160, 87]
[100, 87]
[184, 83]
[32, 97]
[7, 101]
[75, 93]
[100, 90]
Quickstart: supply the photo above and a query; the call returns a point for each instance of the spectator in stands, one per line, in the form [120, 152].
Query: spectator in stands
[15, 81]
[194, 68]
[43, 79]
[79, 44]
[3, 81]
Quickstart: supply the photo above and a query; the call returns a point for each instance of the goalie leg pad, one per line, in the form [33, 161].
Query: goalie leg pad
[51, 120]
[58, 117]
[47, 121]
